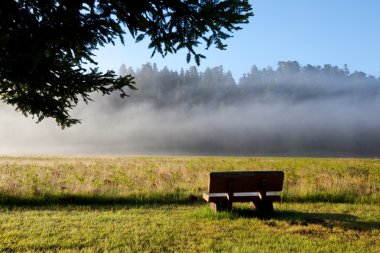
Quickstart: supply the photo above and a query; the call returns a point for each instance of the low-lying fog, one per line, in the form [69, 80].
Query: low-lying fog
[291, 110]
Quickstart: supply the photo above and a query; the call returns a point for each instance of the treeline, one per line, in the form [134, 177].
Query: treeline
[216, 87]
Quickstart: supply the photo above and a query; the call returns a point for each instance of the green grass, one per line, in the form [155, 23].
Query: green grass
[135, 204]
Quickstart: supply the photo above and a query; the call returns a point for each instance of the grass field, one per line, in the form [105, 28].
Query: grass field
[153, 204]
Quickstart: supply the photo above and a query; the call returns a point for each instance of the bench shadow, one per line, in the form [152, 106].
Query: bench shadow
[154, 200]
[328, 220]
[51, 202]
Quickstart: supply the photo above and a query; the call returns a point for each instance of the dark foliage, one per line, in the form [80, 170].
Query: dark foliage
[46, 44]
[215, 88]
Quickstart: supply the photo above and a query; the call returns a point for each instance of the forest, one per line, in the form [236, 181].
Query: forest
[216, 87]
[291, 110]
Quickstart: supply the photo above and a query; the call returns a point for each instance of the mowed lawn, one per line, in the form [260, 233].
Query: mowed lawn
[153, 204]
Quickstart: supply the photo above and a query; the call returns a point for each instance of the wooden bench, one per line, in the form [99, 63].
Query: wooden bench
[259, 187]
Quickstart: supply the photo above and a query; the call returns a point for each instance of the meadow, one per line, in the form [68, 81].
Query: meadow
[154, 204]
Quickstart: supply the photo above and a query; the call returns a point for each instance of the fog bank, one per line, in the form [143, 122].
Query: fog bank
[291, 111]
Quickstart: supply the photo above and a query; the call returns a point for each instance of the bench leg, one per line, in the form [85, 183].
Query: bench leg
[263, 208]
[221, 206]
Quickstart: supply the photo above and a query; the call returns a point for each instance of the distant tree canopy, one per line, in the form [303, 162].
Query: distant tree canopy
[45, 45]
[215, 88]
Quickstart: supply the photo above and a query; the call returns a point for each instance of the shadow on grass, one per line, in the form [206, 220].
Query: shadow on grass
[328, 220]
[98, 201]
[157, 199]
[333, 197]
[176, 197]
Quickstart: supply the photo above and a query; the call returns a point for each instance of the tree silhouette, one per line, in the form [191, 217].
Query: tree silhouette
[212, 88]
[45, 45]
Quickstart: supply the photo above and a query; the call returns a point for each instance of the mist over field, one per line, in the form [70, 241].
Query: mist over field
[291, 110]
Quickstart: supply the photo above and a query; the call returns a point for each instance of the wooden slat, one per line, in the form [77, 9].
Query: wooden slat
[240, 197]
[246, 181]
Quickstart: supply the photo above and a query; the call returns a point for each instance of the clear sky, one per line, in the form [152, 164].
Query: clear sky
[313, 32]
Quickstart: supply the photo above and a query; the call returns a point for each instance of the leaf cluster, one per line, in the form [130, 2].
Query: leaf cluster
[45, 45]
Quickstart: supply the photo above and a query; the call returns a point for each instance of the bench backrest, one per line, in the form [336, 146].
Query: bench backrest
[246, 181]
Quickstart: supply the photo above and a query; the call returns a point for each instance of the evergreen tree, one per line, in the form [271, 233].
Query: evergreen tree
[44, 45]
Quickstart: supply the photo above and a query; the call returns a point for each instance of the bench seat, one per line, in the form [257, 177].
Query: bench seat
[241, 197]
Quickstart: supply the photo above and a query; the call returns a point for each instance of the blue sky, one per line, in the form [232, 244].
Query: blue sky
[313, 32]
